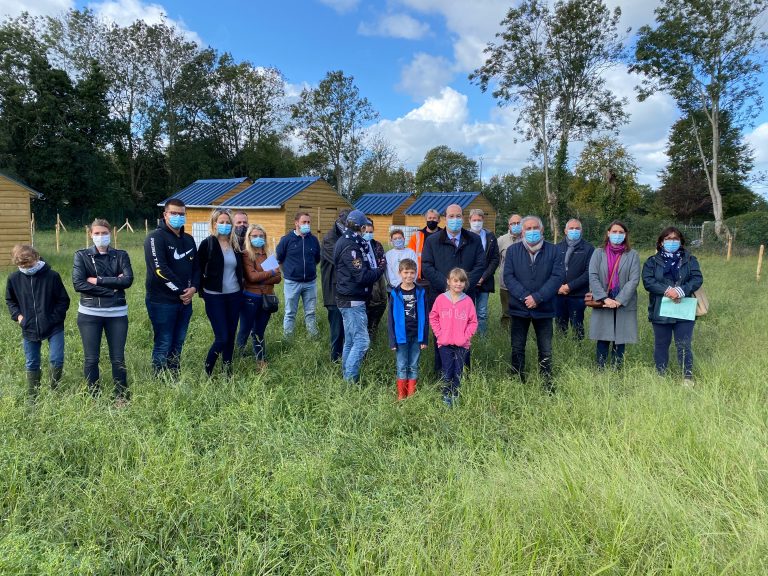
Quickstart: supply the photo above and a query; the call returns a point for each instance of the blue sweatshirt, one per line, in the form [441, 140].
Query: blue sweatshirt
[299, 256]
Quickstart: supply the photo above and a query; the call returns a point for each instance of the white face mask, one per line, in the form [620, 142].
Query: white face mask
[476, 225]
[101, 241]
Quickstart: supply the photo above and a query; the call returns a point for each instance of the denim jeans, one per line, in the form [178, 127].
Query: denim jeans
[253, 321]
[570, 310]
[116, 331]
[356, 341]
[481, 306]
[682, 330]
[307, 291]
[407, 358]
[519, 336]
[55, 351]
[169, 324]
[222, 310]
[603, 349]
[452, 359]
[336, 326]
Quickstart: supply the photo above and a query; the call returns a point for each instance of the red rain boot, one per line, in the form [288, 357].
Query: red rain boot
[402, 391]
[410, 387]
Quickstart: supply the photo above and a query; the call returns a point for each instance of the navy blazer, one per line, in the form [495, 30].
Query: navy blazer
[541, 279]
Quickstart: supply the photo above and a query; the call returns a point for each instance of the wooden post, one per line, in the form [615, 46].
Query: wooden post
[87, 236]
[146, 227]
[760, 261]
[730, 246]
[58, 225]
[114, 233]
[32, 229]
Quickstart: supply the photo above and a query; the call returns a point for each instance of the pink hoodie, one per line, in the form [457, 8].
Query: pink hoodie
[453, 324]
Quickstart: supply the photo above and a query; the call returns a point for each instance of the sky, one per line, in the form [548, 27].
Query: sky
[411, 59]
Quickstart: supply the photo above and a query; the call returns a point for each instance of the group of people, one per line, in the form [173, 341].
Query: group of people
[440, 280]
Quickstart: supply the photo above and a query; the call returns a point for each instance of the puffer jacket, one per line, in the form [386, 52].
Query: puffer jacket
[113, 274]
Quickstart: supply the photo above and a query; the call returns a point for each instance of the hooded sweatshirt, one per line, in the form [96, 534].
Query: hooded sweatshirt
[454, 323]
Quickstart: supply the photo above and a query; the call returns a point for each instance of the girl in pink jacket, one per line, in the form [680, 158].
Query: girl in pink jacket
[454, 322]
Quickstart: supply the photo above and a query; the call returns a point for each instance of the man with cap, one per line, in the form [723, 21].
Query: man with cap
[355, 277]
[328, 277]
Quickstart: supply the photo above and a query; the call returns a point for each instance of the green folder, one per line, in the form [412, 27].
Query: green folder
[684, 309]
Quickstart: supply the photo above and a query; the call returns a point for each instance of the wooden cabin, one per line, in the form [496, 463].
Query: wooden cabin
[414, 214]
[15, 216]
[385, 210]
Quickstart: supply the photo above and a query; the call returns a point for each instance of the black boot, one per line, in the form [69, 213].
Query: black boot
[33, 383]
[56, 372]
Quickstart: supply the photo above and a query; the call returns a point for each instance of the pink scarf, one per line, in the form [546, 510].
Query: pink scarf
[614, 257]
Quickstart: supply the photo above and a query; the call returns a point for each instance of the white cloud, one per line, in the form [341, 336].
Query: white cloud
[395, 26]
[425, 75]
[125, 12]
[758, 140]
[34, 7]
[341, 6]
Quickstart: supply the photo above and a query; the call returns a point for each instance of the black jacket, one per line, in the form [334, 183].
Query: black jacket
[440, 256]
[577, 272]
[328, 266]
[210, 260]
[541, 279]
[109, 290]
[379, 293]
[41, 299]
[492, 259]
[354, 275]
[171, 266]
[656, 283]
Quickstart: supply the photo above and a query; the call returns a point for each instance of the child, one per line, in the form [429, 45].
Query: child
[454, 322]
[398, 253]
[408, 330]
[38, 302]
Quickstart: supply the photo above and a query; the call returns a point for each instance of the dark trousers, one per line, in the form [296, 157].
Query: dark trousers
[336, 325]
[169, 324]
[603, 350]
[253, 321]
[519, 336]
[452, 360]
[682, 330]
[116, 331]
[374, 314]
[223, 311]
[570, 310]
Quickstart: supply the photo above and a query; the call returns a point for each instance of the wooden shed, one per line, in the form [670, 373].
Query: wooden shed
[15, 215]
[414, 214]
[385, 209]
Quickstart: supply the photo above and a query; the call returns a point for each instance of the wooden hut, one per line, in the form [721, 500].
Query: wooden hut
[414, 214]
[15, 215]
[385, 210]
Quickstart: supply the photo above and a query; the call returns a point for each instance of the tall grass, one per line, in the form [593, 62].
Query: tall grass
[292, 471]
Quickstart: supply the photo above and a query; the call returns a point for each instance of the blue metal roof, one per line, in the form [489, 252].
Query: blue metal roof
[440, 201]
[269, 192]
[381, 203]
[204, 192]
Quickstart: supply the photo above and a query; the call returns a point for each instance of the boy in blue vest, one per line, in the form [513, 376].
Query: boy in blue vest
[408, 327]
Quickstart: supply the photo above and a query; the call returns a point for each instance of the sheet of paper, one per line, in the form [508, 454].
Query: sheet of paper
[685, 309]
[271, 264]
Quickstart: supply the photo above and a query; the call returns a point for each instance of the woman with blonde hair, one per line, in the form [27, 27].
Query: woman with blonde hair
[259, 290]
[221, 283]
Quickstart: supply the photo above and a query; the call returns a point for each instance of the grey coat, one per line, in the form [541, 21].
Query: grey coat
[614, 325]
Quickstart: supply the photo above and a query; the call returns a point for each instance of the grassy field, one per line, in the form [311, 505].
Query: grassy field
[291, 471]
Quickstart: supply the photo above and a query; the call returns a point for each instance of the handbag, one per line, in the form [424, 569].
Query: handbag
[270, 303]
[702, 302]
[590, 301]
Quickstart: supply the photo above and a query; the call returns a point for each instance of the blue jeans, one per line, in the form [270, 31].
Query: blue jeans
[253, 321]
[223, 311]
[169, 324]
[356, 341]
[307, 291]
[452, 359]
[55, 351]
[603, 350]
[481, 306]
[682, 330]
[407, 357]
[519, 336]
[336, 327]
[570, 310]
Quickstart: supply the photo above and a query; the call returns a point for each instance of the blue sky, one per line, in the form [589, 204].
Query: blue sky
[410, 58]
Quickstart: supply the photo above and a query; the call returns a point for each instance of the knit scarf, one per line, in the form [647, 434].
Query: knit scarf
[532, 249]
[672, 261]
[614, 257]
[364, 248]
[32, 269]
[569, 251]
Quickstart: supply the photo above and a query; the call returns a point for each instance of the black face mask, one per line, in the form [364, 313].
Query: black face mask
[241, 230]
[432, 225]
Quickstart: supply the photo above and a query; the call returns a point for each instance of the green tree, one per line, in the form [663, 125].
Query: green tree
[445, 170]
[704, 53]
[382, 171]
[331, 121]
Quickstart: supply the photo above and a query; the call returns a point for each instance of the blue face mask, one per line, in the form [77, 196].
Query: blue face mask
[533, 236]
[398, 243]
[454, 224]
[258, 242]
[305, 228]
[671, 245]
[176, 221]
[516, 229]
[616, 239]
[223, 229]
[368, 236]
[574, 234]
